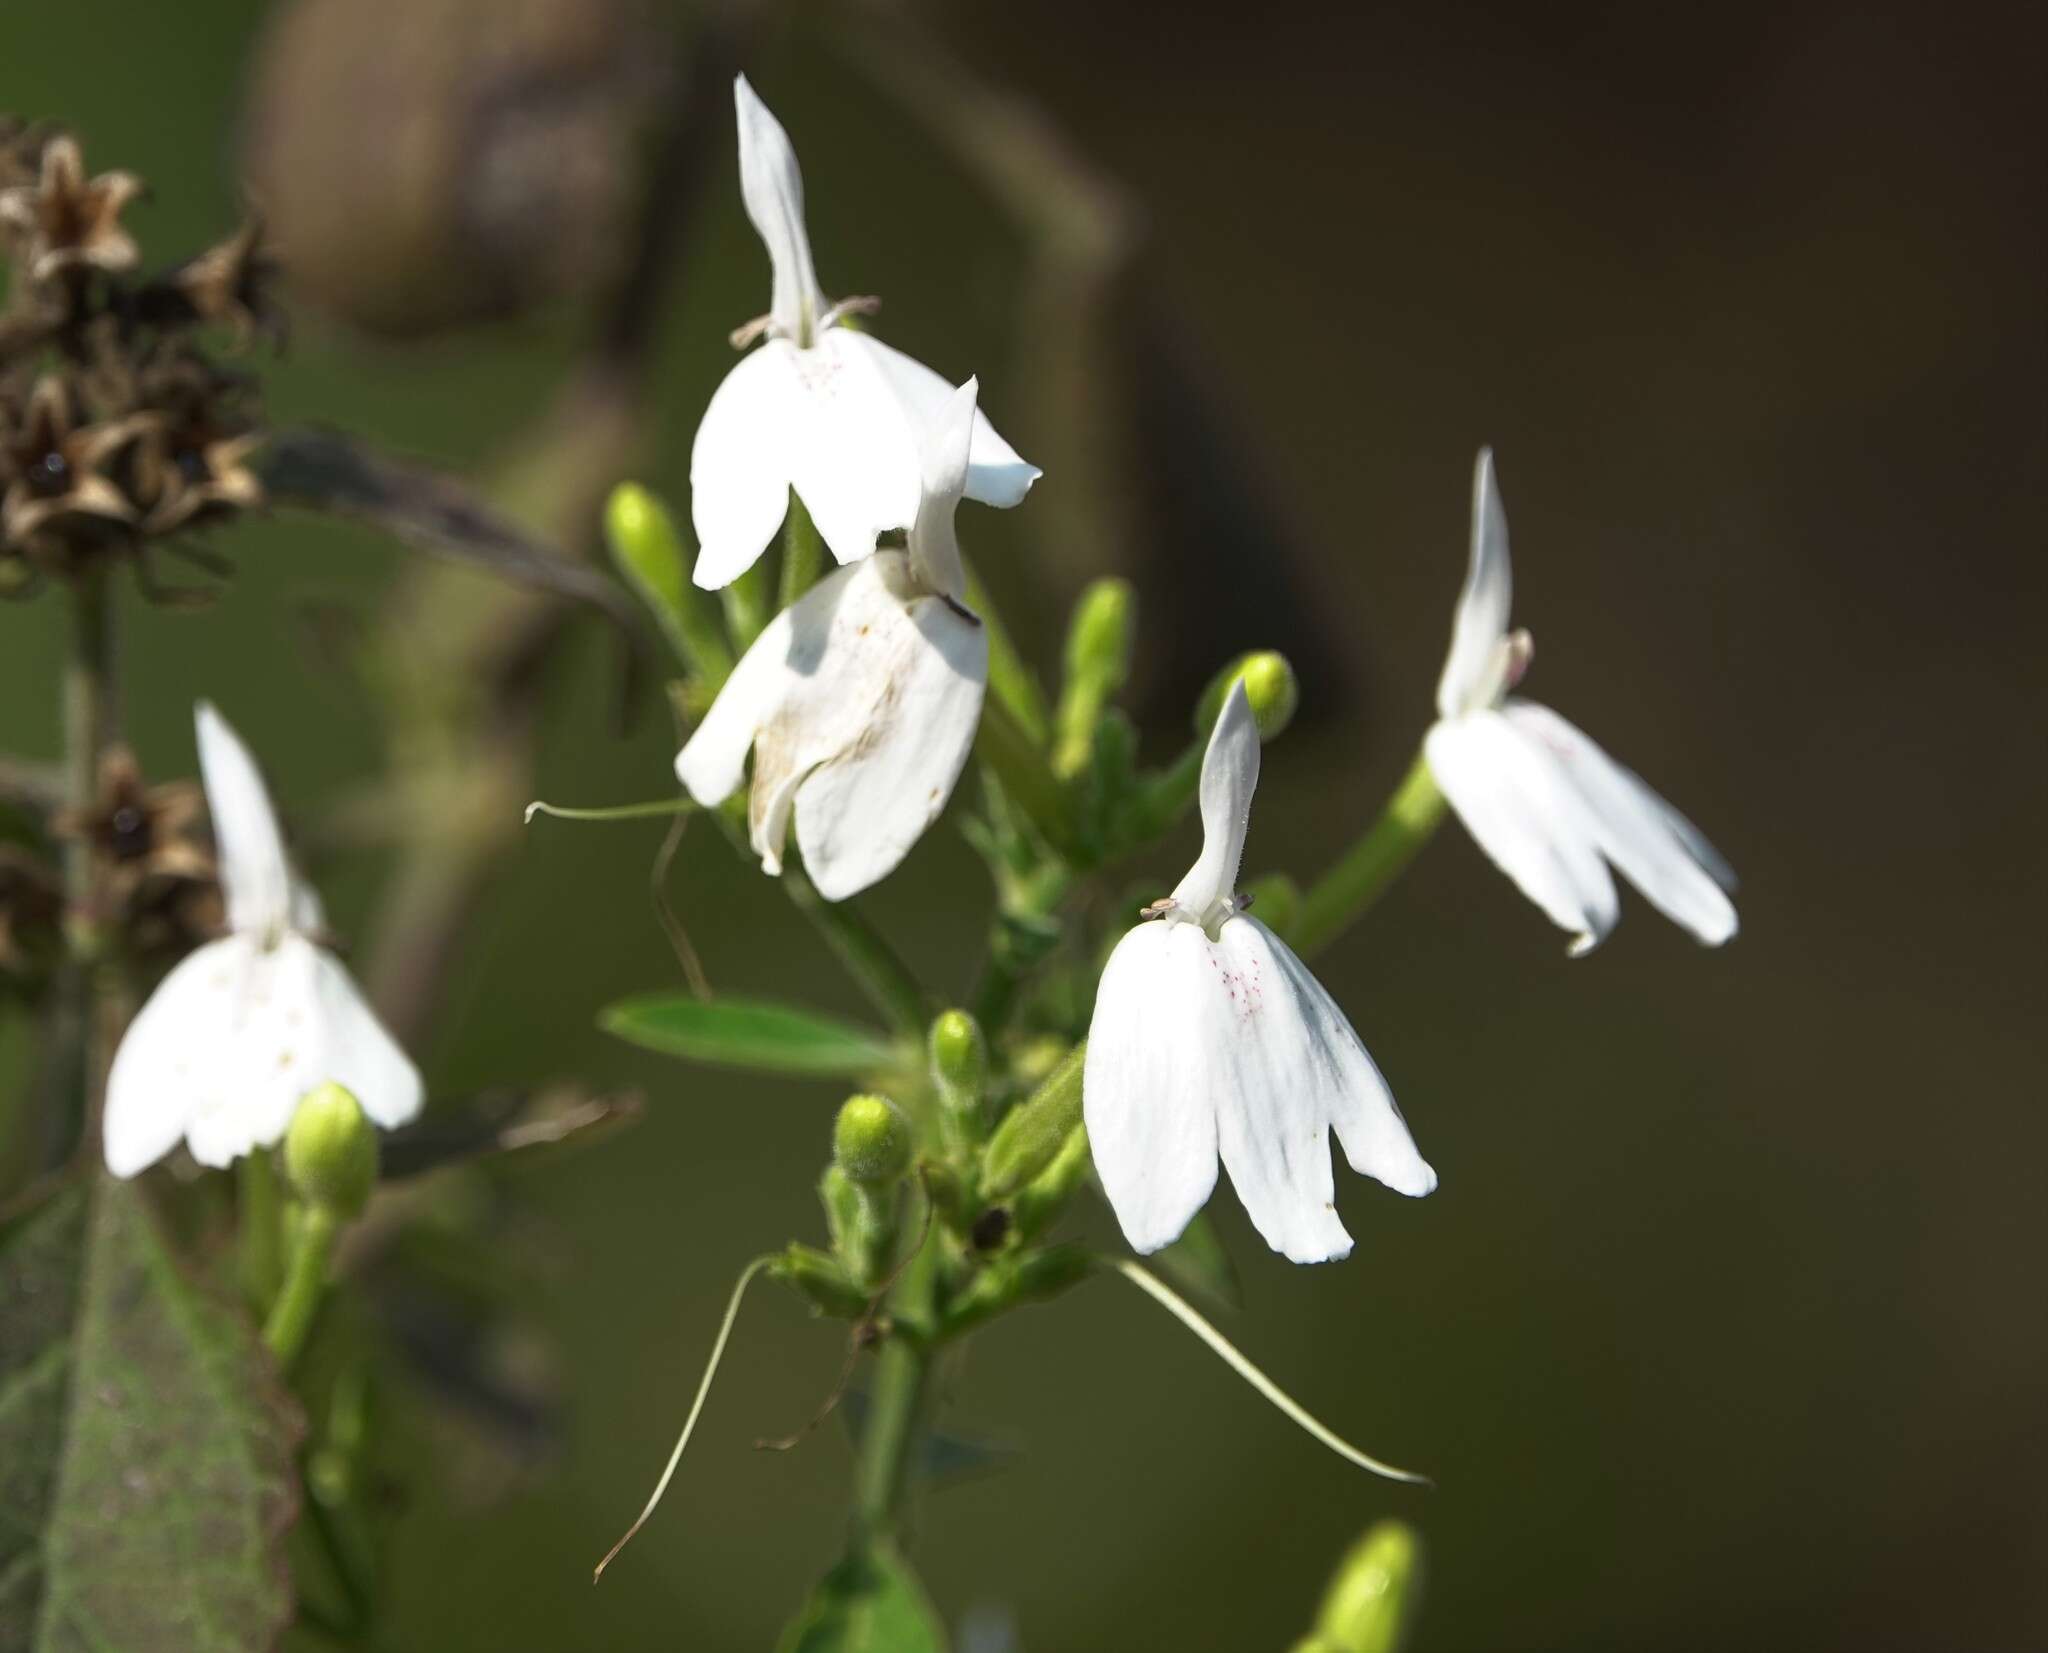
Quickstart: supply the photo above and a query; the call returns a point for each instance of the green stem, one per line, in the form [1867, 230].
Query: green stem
[1364, 871]
[1028, 779]
[260, 1218]
[803, 552]
[88, 1009]
[305, 1282]
[1009, 679]
[870, 960]
[746, 606]
[895, 1408]
[1166, 795]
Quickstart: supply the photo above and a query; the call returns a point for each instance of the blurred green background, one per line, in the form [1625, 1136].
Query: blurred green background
[1726, 1325]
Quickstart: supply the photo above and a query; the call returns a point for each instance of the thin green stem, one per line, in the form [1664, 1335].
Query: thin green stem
[895, 1408]
[1288, 1407]
[610, 812]
[732, 1313]
[260, 1221]
[1364, 871]
[870, 960]
[305, 1283]
[1166, 795]
[746, 606]
[89, 1007]
[803, 552]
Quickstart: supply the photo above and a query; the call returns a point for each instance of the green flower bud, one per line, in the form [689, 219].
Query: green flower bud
[871, 1141]
[330, 1151]
[1098, 662]
[959, 1058]
[1268, 683]
[862, 1221]
[1099, 641]
[1035, 1130]
[649, 553]
[1372, 1597]
[1045, 1196]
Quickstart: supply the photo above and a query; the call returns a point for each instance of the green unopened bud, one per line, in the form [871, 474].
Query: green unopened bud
[1036, 1129]
[649, 553]
[1277, 898]
[1099, 641]
[330, 1152]
[1268, 684]
[862, 1221]
[1098, 663]
[1045, 1196]
[959, 1057]
[1372, 1597]
[871, 1141]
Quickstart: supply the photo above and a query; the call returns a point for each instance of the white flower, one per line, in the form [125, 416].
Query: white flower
[831, 412]
[245, 1026]
[859, 700]
[1210, 1037]
[1547, 805]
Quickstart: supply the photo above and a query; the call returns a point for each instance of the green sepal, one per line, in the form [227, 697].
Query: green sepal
[820, 1281]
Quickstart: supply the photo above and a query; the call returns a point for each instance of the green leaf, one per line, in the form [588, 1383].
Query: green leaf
[745, 1033]
[146, 1476]
[870, 1603]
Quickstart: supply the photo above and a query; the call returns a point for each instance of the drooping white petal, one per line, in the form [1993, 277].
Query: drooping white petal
[844, 423]
[1199, 1048]
[255, 873]
[1470, 675]
[740, 463]
[231, 1040]
[1523, 811]
[773, 188]
[1656, 848]
[996, 473]
[860, 702]
[1148, 1087]
[1329, 1061]
[934, 551]
[1230, 775]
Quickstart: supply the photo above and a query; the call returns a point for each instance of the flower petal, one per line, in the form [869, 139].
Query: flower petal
[854, 449]
[255, 874]
[1148, 1086]
[739, 463]
[229, 1042]
[934, 550]
[773, 188]
[860, 702]
[1483, 606]
[1291, 1065]
[1529, 819]
[1656, 848]
[859, 812]
[1230, 775]
[1325, 1064]
[996, 474]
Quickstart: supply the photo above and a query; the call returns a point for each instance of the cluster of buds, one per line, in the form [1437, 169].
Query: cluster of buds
[118, 431]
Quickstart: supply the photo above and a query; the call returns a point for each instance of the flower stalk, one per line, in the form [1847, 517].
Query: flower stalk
[1362, 873]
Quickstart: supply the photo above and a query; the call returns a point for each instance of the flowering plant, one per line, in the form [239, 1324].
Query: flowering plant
[832, 718]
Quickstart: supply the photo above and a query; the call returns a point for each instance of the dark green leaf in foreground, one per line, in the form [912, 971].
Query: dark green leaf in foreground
[145, 1448]
[870, 1603]
[743, 1033]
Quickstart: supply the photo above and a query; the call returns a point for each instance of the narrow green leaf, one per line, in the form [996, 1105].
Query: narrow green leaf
[870, 1603]
[746, 1033]
[147, 1448]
